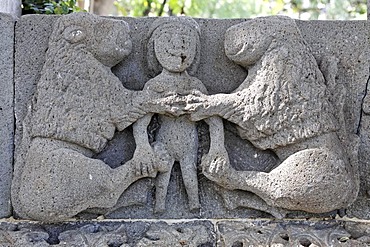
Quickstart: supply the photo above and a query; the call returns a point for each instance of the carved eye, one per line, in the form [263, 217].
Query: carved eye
[76, 33]
[247, 45]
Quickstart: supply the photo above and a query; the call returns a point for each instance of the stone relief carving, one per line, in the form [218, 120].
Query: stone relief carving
[280, 234]
[94, 235]
[286, 104]
[97, 234]
[78, 105]
[283, 105]
[169, 235]
[194, 233]
[175, 42]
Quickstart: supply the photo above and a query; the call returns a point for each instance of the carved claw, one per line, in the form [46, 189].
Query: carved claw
[145, 169]
[216, 167]
[166, 104]
[146, 163]
[201, 106]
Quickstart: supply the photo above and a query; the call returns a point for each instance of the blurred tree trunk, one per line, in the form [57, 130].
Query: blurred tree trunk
[81, 4]
[104, 7]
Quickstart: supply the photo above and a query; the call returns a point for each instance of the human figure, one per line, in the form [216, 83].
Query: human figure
[283, 105]
[174, 44]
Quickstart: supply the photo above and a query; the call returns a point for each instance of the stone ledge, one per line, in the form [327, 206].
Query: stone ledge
[202, 233]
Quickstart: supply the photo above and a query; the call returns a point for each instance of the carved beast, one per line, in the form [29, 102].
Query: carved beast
[283, 105]
[78, 106]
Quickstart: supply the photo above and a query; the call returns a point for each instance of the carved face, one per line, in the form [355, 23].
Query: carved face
[175, 49]
[246, 43]
[106, 39]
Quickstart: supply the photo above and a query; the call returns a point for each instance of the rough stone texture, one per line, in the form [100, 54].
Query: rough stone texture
[338, 61]
[360, 208]
[285, 104]
[191, 233]
[77, 107]
[6, 111]
[174, 45]
[293, 233]
[125, 234]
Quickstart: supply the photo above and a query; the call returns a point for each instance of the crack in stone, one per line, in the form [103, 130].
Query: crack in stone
[362, 104]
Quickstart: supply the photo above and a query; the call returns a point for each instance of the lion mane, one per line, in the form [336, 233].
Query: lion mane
[78, 98]
[284, 98]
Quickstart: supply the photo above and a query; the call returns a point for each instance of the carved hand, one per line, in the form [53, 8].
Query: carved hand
[200, 106]
[216, 167]
[227, 106]
[163, 103]
[147, 164]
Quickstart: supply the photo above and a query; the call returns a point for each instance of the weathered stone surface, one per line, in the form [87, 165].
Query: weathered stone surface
[293, 233]
[56, 176]
[125, 234]
[173, 51]
[361, 208]
[6, 111]
[286, 105]
[352, 74]
[190, 233]
[304, 116]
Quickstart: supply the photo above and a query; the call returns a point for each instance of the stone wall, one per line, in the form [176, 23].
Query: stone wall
[265, 129]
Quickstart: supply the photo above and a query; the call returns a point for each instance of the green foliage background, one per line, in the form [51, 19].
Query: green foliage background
[49, 7]
[303, 9]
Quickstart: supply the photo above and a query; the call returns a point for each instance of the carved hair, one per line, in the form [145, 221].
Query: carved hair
[160, 26]
[286, 99]
[72, 78]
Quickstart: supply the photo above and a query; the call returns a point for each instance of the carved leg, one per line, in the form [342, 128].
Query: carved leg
[56, 183]
[217, 159]
[312, 180]
[237, 198]
[161, 187]
[190, 178]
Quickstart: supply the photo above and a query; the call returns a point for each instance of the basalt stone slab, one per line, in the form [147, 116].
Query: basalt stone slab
[293, 233]
[353, 73]
[6, 111]
[110, 123]
[105, 233]
[189, 233]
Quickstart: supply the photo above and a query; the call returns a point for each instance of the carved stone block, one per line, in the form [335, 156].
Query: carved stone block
[190, 233]
[183, 118]
[125, 234]
[294, 233]
[6, 111]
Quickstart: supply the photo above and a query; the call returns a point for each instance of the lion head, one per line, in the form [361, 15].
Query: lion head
[106, 39]
[77, 92]
[248, 41]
